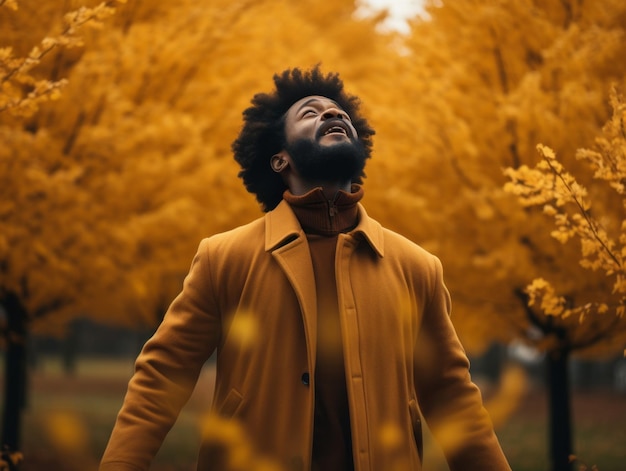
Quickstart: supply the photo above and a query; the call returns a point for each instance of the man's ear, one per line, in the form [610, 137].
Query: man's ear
[279, 162]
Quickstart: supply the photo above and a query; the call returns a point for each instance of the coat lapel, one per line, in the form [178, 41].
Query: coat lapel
[288, 245]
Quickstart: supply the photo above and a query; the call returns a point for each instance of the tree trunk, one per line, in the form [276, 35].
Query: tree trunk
[559, 410]
[69, 352]
[14, 372]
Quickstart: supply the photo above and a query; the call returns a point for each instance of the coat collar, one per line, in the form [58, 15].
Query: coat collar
[282, 226]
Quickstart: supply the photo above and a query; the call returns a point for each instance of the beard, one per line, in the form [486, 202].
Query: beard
[341, 162]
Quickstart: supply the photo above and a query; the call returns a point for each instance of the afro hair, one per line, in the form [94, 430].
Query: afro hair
[263, 134]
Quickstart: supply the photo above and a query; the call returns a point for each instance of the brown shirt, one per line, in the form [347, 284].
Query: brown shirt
[322, 220]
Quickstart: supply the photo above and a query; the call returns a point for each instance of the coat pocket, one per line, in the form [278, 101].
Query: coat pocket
[416, 423]
[217, 444]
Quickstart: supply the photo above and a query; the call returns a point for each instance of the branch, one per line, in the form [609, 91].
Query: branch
[548, 327]
[600, 335]
[590, 222]
[17, 69]
[51, 306]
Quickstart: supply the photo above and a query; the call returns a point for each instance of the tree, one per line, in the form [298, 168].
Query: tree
[111, 185]
[483, 84]
[21, 93]
[107, 189]
[601, 237]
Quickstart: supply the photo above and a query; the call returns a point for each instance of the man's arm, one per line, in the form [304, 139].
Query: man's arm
[450, 402]
[166, 372]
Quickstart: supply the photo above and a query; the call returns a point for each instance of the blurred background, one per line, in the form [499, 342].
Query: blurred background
[116, 120]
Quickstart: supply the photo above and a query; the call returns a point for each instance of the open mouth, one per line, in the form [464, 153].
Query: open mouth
[336, 130]
[335, 126]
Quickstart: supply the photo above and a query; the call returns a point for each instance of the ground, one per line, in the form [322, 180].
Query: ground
[68, 421]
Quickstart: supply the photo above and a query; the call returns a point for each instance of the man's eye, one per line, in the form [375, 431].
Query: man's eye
[309, 113]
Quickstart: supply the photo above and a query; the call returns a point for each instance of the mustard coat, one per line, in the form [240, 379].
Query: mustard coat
[250, 294]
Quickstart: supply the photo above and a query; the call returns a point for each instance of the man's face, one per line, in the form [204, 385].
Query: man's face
[321, 141]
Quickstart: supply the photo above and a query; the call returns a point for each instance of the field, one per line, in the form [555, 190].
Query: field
[68, 421]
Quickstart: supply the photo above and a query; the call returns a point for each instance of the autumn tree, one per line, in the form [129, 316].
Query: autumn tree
[601, 238]
[108, 186]
[111, 185]
[483, 84]
[600, 235]
[25, 186]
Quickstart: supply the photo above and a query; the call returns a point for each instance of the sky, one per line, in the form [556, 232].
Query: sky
[399, 10]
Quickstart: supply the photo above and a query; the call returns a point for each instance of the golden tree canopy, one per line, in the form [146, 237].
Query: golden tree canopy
[482, 84]
[108, 188]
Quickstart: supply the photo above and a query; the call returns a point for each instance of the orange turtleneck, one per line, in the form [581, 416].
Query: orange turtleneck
[322, 220]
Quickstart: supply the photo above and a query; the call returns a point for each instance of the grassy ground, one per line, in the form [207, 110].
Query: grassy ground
[68, 421]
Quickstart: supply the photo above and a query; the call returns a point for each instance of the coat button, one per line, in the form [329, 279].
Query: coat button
[305, 379]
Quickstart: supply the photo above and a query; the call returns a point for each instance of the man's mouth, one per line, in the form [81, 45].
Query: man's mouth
[335, 126]
[336, 130]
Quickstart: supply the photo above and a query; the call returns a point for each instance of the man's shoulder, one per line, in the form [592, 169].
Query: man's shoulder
[395, 240]
[241, 237]
[257, 225]
[400, 246]
[386, 241]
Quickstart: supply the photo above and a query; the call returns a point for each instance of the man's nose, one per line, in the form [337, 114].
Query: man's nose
[334, 113]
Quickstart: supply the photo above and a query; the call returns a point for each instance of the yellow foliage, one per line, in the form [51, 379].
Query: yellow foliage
[119, 177]
[550, 184]
[12, 4]
[541, 293]
[107, 190]
[15, 73]
[483, 83]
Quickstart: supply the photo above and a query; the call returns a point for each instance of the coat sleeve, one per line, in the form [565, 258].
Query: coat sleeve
[166, 371]
[450, 402]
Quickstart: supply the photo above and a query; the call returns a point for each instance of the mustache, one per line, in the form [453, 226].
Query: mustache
[335, 123]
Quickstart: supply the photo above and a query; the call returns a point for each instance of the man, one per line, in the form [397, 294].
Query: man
[333, 334]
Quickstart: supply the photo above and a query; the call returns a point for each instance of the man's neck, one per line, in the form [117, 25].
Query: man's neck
[325, 216]
[330, 190]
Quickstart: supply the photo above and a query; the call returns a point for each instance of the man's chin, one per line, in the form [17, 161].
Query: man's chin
[333, 140]
[338, 160]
